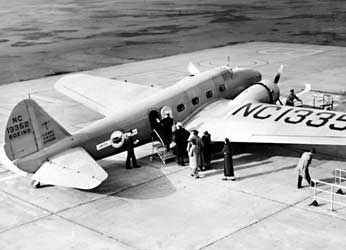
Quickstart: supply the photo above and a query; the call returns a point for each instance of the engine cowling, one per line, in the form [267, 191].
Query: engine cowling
[265, 91]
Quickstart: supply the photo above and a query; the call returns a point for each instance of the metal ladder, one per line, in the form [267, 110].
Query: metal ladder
[158, 150]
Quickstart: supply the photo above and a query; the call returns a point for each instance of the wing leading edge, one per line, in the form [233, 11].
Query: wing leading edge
[266, 123]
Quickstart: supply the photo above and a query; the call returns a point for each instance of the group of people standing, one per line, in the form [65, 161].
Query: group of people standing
[198, 150]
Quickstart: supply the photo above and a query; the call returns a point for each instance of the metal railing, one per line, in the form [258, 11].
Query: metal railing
[158, 149]
[333, 190]
[323, 102]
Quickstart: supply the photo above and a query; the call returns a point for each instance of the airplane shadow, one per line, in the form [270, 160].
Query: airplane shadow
[219, 168]
[147, 182]
[266, 172]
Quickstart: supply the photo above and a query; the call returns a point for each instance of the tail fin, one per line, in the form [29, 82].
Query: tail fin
[29, 129]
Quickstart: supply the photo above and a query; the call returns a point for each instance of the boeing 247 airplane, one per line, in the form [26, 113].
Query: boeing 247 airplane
[233, 103]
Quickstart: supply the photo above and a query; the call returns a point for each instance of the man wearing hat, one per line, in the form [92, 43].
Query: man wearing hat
[181, 136]
[228, 161]
[167, 124]
[206, 150]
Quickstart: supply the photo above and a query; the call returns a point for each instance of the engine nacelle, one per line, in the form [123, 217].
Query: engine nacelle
[265, 91]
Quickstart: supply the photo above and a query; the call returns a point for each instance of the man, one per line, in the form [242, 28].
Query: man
[199, 146]
[303, 168]
[181, 136]
[130, 151]
[206, 139]
[228, 161]
[166, 133]
[291, 97]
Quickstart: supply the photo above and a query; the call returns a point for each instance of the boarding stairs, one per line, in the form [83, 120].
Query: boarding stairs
[159, 150]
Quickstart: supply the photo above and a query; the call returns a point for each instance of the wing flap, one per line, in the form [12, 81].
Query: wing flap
[266, 123]
[71, 168]
[102, 94]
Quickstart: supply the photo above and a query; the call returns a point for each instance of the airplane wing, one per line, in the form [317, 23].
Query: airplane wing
[267, 123]
[102, 94]
[71, 168]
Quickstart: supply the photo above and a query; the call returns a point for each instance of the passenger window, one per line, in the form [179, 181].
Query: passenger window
[222, 88]
[195, 101]
[209, 94]
[180, 107]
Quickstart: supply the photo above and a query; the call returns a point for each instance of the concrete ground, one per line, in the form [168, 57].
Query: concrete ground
[158, 207]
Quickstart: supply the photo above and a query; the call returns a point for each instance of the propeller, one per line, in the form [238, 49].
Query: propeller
[306, 89]
[192, 69]
[278, 75]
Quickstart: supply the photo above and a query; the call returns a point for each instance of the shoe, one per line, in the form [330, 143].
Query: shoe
[192, 175]
[312, 184]
[233, 178]
[128, 167]
[197, 177]
[299, 187]
[137, 166]
[224, 179]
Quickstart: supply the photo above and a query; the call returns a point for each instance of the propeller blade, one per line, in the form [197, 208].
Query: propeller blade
[307, 89]
[278, 75]
[192, 69]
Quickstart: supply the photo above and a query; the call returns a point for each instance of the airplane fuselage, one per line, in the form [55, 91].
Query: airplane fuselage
[183, 99]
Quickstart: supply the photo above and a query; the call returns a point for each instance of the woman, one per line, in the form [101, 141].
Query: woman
[228, 161]
[193, 157]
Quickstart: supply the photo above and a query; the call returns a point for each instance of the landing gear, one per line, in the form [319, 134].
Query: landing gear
[35, 184]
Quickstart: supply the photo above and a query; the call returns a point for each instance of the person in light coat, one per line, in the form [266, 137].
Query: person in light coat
[303, 168]
[193, 153]
[200, 148]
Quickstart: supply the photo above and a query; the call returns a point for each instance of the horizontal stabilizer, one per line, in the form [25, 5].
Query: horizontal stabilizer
[71, 168]
[8, 164]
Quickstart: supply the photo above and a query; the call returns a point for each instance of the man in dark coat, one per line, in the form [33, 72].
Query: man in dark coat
[207, 149]
[181, 136]
[228, 161]
[130, 152]
[166, 132]
[291, 97]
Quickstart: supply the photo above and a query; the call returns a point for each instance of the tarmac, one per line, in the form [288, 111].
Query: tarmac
[163, 207]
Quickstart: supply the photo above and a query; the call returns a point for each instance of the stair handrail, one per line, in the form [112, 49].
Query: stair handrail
[158, 136]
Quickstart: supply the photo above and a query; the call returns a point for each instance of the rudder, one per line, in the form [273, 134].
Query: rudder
[29, 129]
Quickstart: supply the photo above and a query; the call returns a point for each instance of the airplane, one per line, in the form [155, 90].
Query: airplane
[234, 103]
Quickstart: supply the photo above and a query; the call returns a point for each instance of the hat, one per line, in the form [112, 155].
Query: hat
[179, 124]
[205, 132]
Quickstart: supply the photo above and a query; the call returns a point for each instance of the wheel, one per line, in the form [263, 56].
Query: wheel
[35, 184]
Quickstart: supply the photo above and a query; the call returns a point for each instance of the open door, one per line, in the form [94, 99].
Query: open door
[155, 119]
